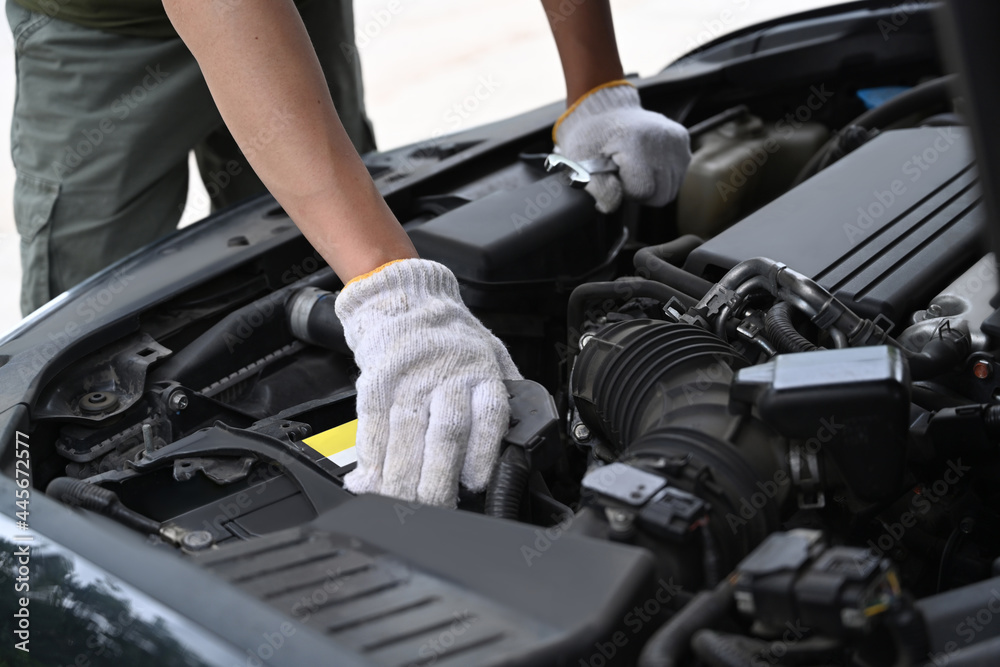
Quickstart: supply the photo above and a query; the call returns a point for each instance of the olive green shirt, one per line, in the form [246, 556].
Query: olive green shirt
[140, 18]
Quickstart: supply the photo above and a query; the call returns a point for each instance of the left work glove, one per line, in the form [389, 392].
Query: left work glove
[652, 152]
[432, 405]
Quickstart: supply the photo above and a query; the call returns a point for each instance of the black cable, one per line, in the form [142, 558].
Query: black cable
[77, 493]
[671, 641]
[662, 264]
[620, 290]
[963, 528]
[717, 120]
[913, 100]
[718, 649]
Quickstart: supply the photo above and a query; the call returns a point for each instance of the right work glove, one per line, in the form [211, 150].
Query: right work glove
[432, 406]
[652, 152]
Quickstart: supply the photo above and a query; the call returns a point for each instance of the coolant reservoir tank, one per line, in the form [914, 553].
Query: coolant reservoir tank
[740, 166]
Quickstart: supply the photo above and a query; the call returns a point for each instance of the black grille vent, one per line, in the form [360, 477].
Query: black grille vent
[368, 601]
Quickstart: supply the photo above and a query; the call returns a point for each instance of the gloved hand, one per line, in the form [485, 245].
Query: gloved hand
[652, 152]
[431, 399]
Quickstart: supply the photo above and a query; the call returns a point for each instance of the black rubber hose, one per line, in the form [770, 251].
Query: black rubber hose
[77, 493]
[508, 485]
[669, 644]
[976, 655]
[943, 353]
[912, 101]
[782, 332]
[991, 418]
[620, 290]
[718, 120]
[240, 338]
[717, 649]
[312, 317]
[720, 649]
[662, 264]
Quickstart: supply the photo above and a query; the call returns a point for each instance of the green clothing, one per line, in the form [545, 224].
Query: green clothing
[102, 127]
[139, 18]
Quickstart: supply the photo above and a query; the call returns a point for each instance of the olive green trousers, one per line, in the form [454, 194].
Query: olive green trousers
[102, 128]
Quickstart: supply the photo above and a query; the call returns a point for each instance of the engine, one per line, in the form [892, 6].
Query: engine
[760, 426]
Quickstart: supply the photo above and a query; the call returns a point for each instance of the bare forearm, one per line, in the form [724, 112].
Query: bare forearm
[585, 37]
[266, 80]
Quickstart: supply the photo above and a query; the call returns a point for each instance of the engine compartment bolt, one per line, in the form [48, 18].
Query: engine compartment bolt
[197, 540]
[177, 400]
[147, 439]
[581, 432]
[98, 401]
[585, 338]
[620, 521]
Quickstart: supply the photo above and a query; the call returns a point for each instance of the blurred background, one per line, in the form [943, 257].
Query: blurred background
[423, 60]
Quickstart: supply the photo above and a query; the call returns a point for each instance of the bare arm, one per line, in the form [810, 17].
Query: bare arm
[585, 37]
[266, 80]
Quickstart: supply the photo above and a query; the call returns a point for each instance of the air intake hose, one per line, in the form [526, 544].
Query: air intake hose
[658, 394]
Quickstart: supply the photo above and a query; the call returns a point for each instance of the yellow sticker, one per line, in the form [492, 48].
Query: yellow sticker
[337, 444]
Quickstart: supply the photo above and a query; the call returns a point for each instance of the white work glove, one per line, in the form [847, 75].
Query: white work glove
[431, 399]
[652, 152]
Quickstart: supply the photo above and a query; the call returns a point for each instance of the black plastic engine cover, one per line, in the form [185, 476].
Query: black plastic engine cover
[884, 229]
[404, 584]
[525, 238]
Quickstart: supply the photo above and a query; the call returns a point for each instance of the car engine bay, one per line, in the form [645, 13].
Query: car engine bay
[758, 426]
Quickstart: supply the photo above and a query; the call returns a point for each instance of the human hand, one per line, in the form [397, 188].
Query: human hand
[652, 152]
[432, 406]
